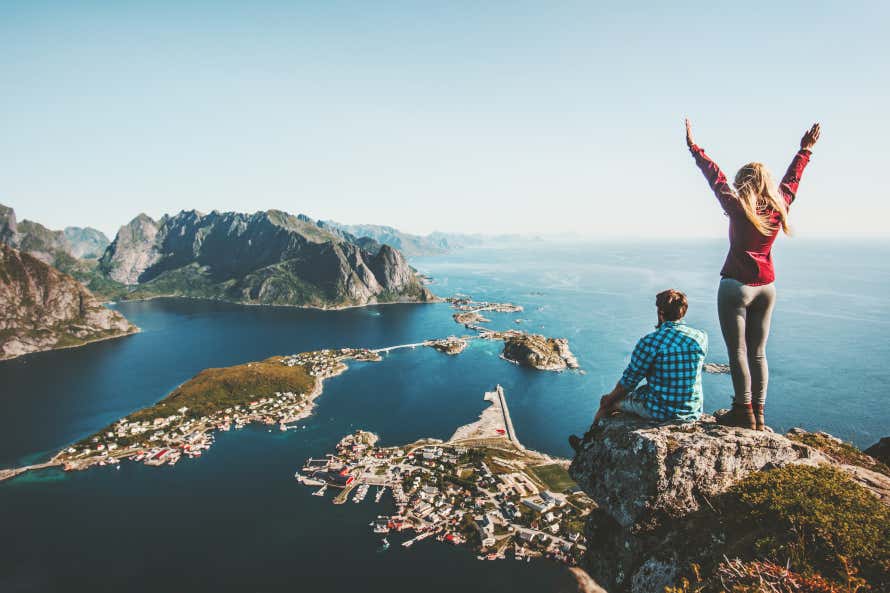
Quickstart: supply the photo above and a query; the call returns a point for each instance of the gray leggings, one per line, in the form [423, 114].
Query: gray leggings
[745, 313]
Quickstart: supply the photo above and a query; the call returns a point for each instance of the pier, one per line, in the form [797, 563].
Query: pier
[7, 474]
[508, 422]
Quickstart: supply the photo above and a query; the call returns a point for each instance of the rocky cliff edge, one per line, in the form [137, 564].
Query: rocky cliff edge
[673, 496]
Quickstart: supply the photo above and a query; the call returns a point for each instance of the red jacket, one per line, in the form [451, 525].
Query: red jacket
[750, 259]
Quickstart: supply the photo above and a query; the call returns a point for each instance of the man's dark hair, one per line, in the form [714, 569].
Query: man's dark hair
[672, 304]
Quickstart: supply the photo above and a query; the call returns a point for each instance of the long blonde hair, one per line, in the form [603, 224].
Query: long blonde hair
[759, 197]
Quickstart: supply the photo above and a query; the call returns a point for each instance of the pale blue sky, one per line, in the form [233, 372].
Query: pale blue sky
[461, 116]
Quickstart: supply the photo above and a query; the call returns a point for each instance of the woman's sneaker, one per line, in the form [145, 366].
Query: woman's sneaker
[741, 415]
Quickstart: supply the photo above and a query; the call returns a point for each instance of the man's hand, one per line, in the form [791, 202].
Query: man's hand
[689, 139]
[809, 138]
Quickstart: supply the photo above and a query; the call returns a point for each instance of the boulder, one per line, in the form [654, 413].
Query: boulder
[653, 480]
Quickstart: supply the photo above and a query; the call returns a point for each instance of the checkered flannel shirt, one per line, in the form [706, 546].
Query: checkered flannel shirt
[670, 359]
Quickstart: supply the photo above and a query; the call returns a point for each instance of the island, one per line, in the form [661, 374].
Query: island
[536, 351]
[469, 312]
[452, 345]
[520, 347]
[480, 488]
[715, 368]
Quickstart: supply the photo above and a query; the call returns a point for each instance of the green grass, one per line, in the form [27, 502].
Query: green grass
[212, 390]
[815, 518]
[555, 476]
[840, 451]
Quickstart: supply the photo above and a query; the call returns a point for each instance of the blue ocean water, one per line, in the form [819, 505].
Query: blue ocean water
[236, 520]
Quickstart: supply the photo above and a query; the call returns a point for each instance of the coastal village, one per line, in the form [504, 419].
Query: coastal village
[155, 437]
[277, 391]
[481, 488]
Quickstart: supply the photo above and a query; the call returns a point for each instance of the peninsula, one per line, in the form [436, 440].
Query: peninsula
[481, 488]
[279, 390]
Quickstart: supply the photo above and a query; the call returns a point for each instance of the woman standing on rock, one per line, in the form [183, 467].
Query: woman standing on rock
[757, 210]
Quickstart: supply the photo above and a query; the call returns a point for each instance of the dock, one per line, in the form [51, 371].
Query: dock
[508, 422]
[8, 474]
[344, 494]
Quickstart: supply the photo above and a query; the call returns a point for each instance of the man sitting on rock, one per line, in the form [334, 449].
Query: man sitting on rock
[670, 359]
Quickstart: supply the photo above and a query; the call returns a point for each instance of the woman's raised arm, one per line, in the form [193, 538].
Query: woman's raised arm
[791, 180]
[716, 178]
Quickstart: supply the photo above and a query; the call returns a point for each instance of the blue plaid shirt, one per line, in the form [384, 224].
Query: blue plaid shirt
[670, 359]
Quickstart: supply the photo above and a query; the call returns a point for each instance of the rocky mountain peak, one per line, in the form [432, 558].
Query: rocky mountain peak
[132, 251]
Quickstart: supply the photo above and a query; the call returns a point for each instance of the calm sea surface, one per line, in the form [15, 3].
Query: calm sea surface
[236, 520]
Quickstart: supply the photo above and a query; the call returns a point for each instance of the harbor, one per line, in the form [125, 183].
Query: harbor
[480, 488]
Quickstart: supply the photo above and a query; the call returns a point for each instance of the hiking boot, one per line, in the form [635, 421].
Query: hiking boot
[575, 442]
[741, 415]
[758, 416]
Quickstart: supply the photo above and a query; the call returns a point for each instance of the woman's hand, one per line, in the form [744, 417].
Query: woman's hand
[809, 138]
[689, 139]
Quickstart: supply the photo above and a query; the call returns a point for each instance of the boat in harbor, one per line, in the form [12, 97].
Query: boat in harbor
[379, 494]
[381, 525]
[360, 493]
[320, 491]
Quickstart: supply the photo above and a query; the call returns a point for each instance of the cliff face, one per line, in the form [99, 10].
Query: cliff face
[42, 308]
[132, 251]
[267, 257]
[666, 496]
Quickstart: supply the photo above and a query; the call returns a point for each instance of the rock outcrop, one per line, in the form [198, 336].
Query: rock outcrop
[41, 308]
[652, 480]
[539, 352]
[267, 257]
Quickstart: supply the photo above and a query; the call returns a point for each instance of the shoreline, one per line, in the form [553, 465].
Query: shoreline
[435, 299]
[137, 330]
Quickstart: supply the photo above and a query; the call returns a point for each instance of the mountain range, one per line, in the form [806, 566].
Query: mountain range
[269, 257]
[48, 278]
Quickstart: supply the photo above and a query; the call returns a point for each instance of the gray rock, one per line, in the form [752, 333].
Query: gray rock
[132, 251]
[647, 476]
